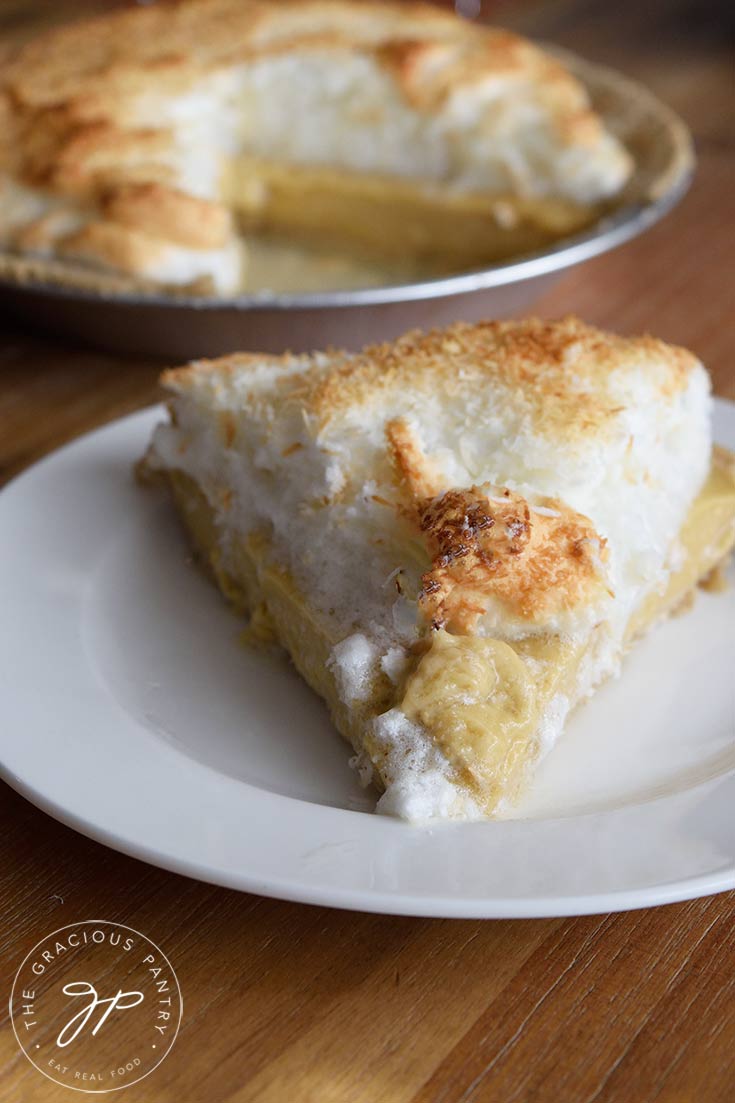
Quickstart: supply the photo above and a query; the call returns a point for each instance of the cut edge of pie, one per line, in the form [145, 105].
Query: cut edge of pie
[461, 622]
[140, 143]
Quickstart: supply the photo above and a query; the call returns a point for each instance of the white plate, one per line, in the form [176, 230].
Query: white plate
[129, 711]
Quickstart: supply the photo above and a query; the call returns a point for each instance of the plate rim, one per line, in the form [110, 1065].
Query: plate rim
[378, 901]
[385, 903]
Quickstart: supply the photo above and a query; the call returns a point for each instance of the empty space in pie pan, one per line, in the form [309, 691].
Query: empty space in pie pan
[112, 312]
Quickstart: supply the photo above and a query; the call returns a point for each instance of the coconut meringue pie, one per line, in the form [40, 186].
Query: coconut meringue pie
[455, 536]
[157, 143]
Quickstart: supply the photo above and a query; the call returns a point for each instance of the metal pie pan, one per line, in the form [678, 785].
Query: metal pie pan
[112, 313]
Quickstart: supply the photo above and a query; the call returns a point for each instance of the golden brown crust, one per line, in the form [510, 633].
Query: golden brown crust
[85, 64]
[559, 370]
[84, 160]
[169, 213]
[88, 68]
[179, 379]
[415, 469]
[429, 71]
[81, 76]
[538, 558]
[86, 103]
[487, 543]
[557, 373]
[110, 245]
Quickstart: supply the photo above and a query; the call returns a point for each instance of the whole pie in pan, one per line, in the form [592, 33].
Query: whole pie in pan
[155, 142]
[457, 536]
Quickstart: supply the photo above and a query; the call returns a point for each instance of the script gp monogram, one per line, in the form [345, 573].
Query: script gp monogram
[95, 1006]
[82, 1017]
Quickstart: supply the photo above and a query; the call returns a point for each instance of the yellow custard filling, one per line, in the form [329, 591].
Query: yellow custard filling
[479, 700]
[394, 218]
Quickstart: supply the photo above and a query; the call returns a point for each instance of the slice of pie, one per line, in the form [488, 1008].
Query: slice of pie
[148, 142]
[455, 536]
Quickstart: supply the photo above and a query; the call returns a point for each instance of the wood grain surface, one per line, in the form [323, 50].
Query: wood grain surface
[288, 1004]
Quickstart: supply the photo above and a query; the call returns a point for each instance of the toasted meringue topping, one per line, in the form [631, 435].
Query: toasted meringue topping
[168, 98]
[471, 524]
[489, 547]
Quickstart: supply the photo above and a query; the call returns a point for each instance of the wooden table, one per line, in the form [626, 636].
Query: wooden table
[287, 1003]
